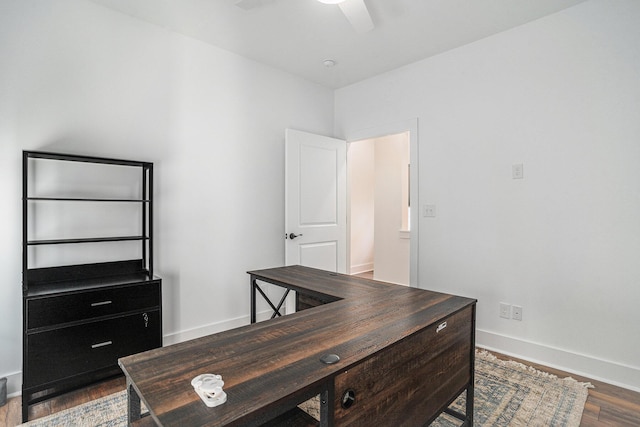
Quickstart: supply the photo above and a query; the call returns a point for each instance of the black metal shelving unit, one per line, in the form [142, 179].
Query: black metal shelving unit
[78, 319]
[146, 201]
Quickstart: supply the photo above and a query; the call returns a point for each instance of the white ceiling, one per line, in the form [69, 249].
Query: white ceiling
[298, 35]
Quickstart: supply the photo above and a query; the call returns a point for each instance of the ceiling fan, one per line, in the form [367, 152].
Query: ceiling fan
[355, 11]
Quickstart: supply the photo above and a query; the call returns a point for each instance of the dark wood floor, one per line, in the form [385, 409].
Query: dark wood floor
[607, 405]
[11, 413]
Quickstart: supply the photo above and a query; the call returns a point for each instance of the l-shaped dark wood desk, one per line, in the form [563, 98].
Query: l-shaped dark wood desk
[405, 355]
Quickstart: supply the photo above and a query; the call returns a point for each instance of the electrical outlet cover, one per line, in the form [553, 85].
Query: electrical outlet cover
[505, 310]
[516, 314]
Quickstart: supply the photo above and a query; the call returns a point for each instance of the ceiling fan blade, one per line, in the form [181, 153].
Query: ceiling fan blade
[358, 15]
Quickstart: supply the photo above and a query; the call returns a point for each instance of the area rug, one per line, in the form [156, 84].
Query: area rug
[507, 394]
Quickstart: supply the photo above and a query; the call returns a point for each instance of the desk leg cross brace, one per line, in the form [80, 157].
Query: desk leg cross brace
[276, 309]
[467, 417]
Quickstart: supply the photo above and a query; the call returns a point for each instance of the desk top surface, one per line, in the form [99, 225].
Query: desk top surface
[268, 364]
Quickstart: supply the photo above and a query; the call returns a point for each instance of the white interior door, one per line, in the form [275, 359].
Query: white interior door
[315, 201]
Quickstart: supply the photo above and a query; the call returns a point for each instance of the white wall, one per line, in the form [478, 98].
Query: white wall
[560, 95]
[76, 77]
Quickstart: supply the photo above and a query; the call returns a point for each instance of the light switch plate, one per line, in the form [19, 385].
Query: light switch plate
[518, 171]
[429, 211]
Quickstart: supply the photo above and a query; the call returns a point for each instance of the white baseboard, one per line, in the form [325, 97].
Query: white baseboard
[607, 371]
[361, 268]
[14, 384]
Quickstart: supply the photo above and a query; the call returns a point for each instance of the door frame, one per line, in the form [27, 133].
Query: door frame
[411, 126]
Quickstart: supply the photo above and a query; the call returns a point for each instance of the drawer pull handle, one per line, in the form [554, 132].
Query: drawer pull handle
[441, 326]
[102, 344]
[96, 304]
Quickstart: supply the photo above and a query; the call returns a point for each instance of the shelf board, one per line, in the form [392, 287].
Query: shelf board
[86, 159]
[85, 240]
[83, 199]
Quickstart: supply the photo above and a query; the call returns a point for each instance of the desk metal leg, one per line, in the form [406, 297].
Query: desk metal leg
[253, 298]
[472, 381]
[326, 407]
[133, 404]
[469, 412]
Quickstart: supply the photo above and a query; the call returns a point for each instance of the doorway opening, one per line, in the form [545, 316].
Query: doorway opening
[379, 200]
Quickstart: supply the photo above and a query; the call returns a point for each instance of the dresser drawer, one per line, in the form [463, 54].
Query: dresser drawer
[408, 383]
[65, 352]
[50, 311]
